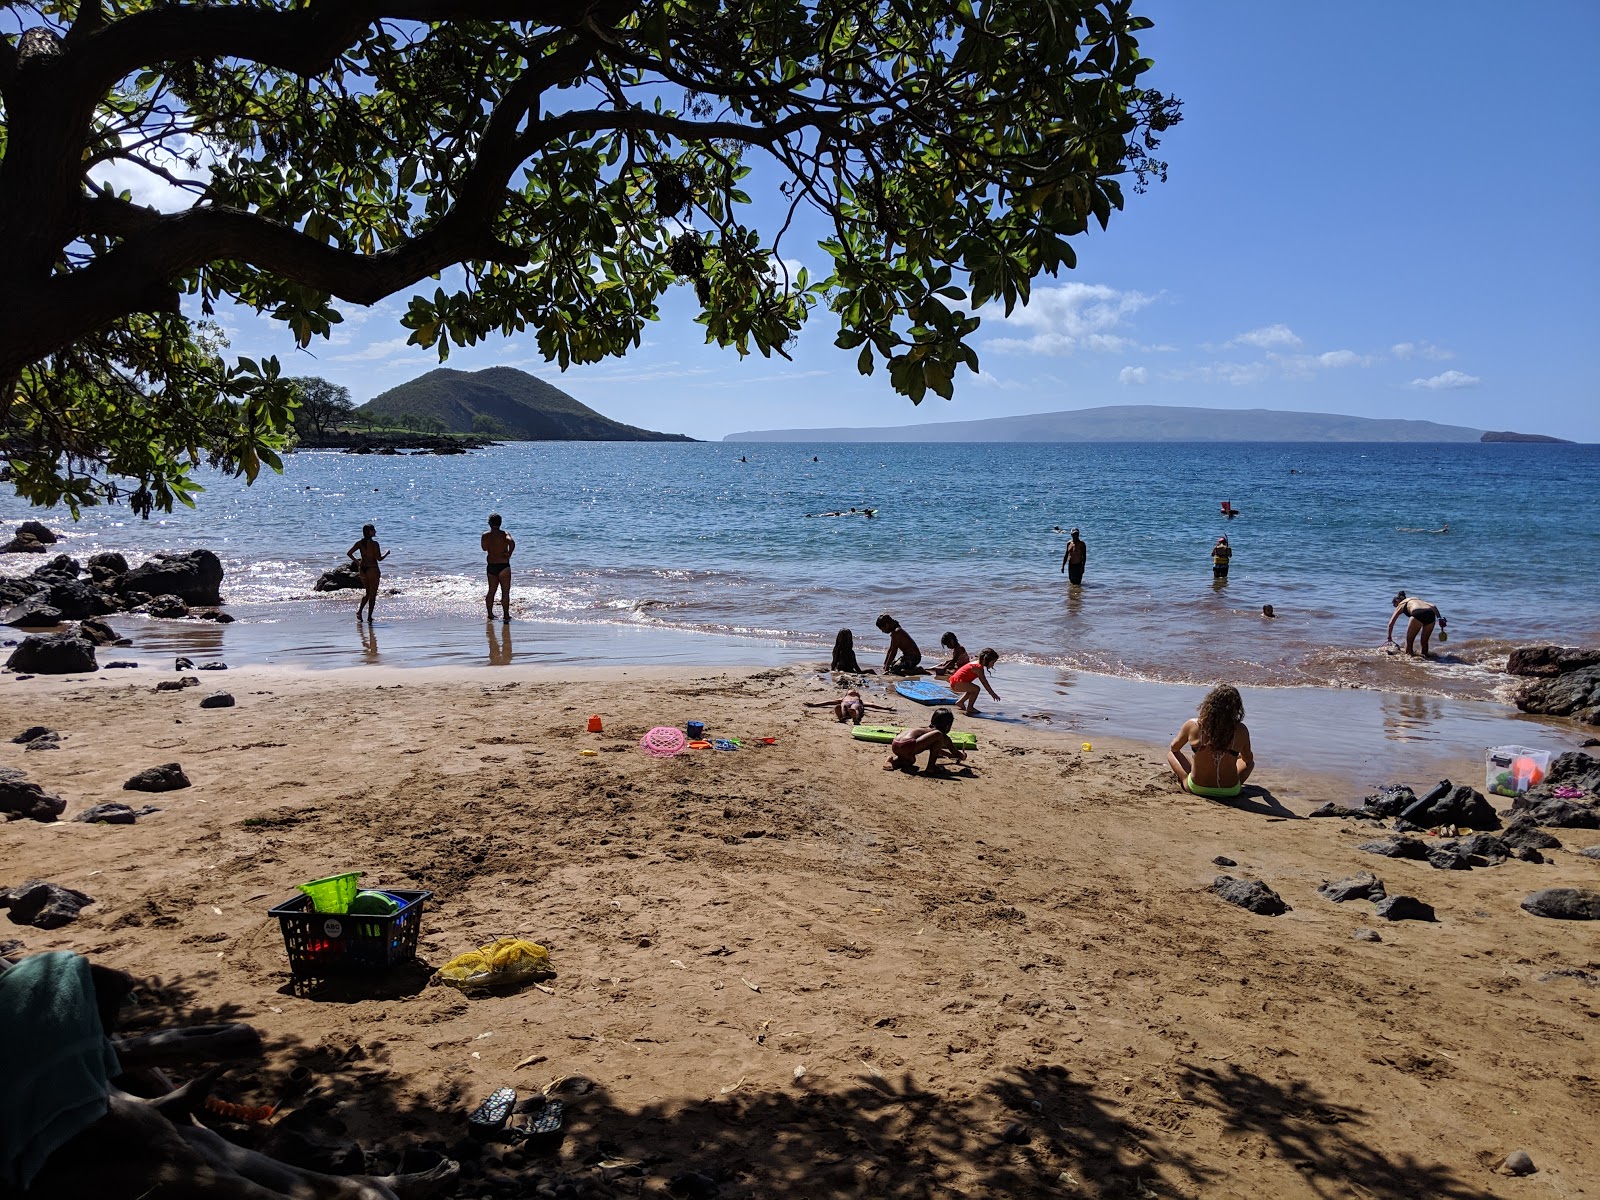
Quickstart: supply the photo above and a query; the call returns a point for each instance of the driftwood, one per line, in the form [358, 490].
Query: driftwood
[180, 1047]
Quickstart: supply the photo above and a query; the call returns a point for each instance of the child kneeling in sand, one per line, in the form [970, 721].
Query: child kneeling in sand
[848, 707]
[936, 741]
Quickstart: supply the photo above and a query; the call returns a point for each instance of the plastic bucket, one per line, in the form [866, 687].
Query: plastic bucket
[374, 904]
[696, 730]
[333, 894]
[1512, 770]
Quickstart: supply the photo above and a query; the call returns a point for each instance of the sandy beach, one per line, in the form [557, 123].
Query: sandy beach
[800, 975]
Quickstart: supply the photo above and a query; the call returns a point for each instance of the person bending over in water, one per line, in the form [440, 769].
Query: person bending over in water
[1220, 743]
[499, 546]
[935, 740]
[964, 681]
[903, 657]
[958, 655]
[371, 556]
[1422, 617]
[848, 707]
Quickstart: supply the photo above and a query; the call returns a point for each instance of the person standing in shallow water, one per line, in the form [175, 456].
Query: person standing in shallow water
[1073, 561]
[1221, 553]
[498, 545]
[370, 555]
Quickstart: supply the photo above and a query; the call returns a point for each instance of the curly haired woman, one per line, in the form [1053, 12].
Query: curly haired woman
[1220, 743]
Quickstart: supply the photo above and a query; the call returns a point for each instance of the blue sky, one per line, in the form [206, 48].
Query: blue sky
[1374, 209]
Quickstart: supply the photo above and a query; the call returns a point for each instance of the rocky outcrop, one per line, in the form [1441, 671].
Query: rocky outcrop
[339, 578]
[1564, 681]
[38, 531]
[195, 577]
[1462, 806]
[23, 543]
[1564, 904]
[36, 612]
[1364, 886]
[53, 654]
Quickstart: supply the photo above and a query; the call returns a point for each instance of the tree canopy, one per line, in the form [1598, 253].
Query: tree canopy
[574, 159]
[321, 406]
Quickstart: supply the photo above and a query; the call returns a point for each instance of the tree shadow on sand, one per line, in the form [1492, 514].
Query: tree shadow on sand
[1036, 1131]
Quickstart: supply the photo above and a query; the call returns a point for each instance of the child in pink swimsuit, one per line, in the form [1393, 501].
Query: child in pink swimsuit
[964, 680]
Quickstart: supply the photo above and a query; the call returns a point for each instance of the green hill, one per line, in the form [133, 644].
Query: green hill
[528, 408]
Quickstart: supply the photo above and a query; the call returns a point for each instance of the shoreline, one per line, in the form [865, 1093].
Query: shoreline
[805, 975]
[1362, 733]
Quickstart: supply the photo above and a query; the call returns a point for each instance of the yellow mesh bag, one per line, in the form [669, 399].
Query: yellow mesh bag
[506, 962]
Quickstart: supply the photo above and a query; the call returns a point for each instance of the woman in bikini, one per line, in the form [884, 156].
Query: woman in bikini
[1422, 618]
[1220, 743]
[367, 569]
[498, 545]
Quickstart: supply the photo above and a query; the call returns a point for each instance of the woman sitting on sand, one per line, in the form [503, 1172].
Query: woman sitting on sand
[1220, 743]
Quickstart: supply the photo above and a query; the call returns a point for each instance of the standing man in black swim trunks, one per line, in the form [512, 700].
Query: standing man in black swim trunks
[499, 546]
[1072, 562]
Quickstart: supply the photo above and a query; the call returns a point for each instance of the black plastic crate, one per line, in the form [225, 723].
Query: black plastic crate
[321, 944]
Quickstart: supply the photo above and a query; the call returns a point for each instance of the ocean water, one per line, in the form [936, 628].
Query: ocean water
[692, 538]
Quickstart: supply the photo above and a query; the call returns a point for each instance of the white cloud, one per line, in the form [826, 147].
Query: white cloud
[1267, 337]
[376, 350]
[1447, 381]
[182, 156]
[1236, 374]
[1133, 375]
[1405, 350]
[1068, 317]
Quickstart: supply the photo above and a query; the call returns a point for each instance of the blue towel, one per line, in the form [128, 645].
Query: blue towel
[56, 1062]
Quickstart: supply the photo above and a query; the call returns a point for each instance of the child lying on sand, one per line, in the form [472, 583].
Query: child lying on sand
[848, 707]
[906, 746]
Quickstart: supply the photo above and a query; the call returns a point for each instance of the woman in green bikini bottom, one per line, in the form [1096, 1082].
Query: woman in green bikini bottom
[1220, 744]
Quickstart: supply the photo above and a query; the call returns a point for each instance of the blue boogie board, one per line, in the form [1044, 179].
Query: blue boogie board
[926, 691]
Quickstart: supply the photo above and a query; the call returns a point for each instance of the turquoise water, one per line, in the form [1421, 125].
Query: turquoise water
[689, 537]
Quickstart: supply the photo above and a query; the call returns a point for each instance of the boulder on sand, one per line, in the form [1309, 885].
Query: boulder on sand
[1461, 806]
[1396, 848]
[34, 612]
[218, 700]
[1404, 908]
[19, 798]
[1563, 814]
[53, 654]
[1363, 886]
[1564, 904]
[195, 577]
[108, 814]
[44, 905]
[168, 777]
[1390, 802]
[101, 634]
[1249, 894]
[168, 608]
[1523, 833]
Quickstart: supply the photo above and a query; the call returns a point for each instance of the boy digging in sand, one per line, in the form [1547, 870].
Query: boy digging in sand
[848, 707]
[936, 741]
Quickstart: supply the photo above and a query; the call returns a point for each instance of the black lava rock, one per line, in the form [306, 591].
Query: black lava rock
[1223, 861]
[193, 577]
[1390, 802]
[168, 777]
[339, 578]
[1564, 904]
[36, 612]
[1485, 846]
[108, 562]
[38, 531]
[1523, 833]
[1343, 811]
[1404, 908]
[44, 905]
[31, 732]
[217, 700]
[107, 814]
[19, 798]
[1462, 806]
[1563, 814]
[53, 654]
[1446, 857]
[167, 608]
[1396, 848]
[1365, 886]
[1249, 894]
[100, 633]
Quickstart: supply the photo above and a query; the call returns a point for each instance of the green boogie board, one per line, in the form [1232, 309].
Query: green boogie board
[960, 739]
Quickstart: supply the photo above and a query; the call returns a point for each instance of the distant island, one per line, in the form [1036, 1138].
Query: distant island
[503, 403]
[1153, 423]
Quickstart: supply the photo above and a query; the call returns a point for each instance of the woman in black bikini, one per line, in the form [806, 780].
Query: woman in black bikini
[367, 568]
[499, 546]
[1422, 617]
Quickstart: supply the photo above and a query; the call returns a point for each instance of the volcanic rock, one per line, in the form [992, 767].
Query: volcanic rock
[23, 543]
[34, 612]
[108, 562]
[166, 778]
[1344, 811]
[339, 578]
[38, 531]
[194, 577]
[168, 608]
[1548, 661]
[1249, 894]
[44, 905]
[217, 700]
[19, 798]
[1575, 694]
[31, 732]
[100, 633]
[1404, 908]
[1364, 886]
[1463, 806]
[53, 654]
[107, 814]
[1396, 848]
[1564, 904]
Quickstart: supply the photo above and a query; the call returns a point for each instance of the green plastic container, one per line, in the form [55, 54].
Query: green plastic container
[374, 904]
[333, 894]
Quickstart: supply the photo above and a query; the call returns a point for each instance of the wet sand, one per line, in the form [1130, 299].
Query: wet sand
[804, 976]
